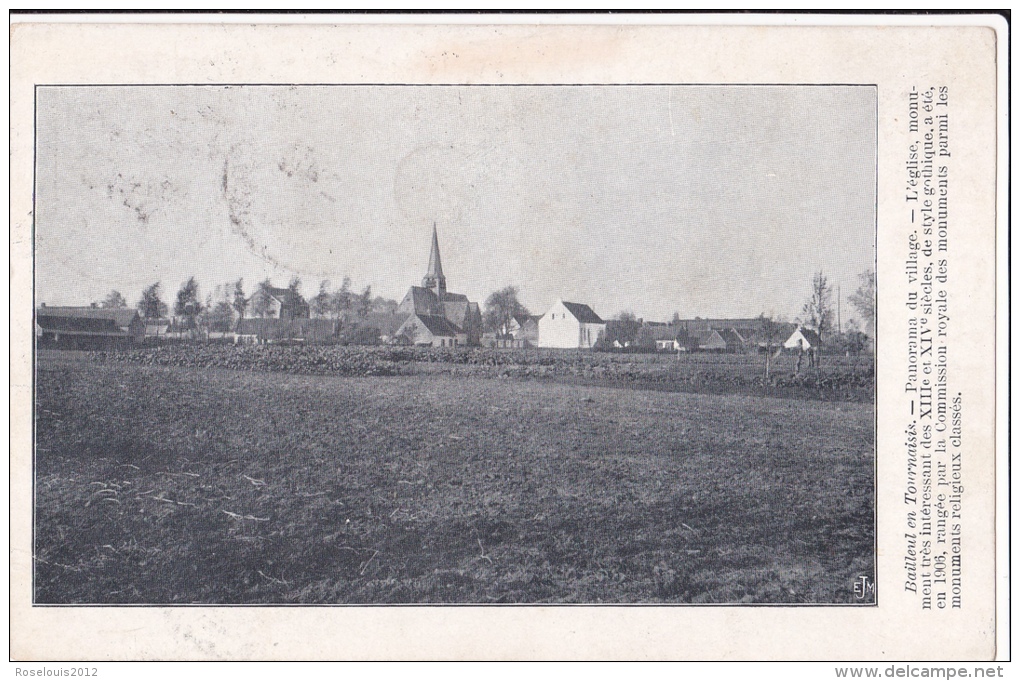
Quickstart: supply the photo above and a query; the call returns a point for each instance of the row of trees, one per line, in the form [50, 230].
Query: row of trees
[228, 302]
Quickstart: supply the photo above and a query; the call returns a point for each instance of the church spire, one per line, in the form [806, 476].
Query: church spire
[434, 278]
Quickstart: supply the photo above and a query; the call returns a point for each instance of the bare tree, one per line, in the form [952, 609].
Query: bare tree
[817, 312]
[240, 303]
[322, 302]
[864, 300]
[817, 315]
[770, 334]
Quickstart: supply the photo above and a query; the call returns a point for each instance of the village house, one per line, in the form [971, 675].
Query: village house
[569, 325]
[284, 303]
[82, 328]
[436, 316]
[524, 329]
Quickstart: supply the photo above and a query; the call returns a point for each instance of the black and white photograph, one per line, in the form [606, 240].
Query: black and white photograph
[343, 345]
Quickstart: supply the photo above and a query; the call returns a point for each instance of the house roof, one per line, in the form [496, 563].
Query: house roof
[708, 338]
[82, 326]
[387, 323]
[707, 322]
[120, 316]
[455, 311]
[661, 332]
[731, 337]
[423, 301]
[583, 313]
[286, 296]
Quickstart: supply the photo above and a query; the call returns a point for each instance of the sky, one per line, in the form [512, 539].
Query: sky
[711, 201]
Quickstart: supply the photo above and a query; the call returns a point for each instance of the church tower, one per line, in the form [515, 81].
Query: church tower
[434, 280]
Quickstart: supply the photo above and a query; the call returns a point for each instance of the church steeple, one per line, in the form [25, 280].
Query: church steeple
[434, 278]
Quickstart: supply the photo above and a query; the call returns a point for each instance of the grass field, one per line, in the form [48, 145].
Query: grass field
[181, 485]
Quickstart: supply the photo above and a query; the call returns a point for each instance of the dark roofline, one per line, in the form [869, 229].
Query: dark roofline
[583, 313]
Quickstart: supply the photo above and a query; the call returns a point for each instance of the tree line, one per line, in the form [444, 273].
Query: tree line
[228, 302]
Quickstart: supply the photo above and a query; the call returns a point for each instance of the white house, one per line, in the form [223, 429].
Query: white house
[569, 325]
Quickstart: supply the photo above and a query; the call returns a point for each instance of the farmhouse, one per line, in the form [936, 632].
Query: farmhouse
[524, 328]
[283, 303]
[569, 325]
[80, 328]
[435, 316]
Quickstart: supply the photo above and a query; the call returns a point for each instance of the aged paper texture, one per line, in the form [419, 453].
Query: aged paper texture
[720, 450]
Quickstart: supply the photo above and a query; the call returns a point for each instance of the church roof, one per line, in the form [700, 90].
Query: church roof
[423, 301]
[439, 326]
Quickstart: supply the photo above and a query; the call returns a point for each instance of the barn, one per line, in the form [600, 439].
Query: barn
[87, 328]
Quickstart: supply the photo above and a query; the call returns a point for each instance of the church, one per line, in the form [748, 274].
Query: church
[436, 316]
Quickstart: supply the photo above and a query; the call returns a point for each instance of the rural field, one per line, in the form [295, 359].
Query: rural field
[292, 475]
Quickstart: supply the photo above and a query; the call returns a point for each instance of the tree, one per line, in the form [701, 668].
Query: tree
[322, 302]
[221, 317]
[295, 286]
[240, 303]
[644, 340]
[675, 321]
[151, 305]
[364, 302]
[623, 330]
[817, 311]
[864, 300]
[113, 300]
[187, 304]
[385, 305]
[500, 309]
[261, 301]
[771, 337]
[343, 299]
